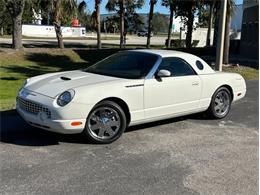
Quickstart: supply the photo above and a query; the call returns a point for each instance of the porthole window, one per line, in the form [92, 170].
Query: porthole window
[199, 65]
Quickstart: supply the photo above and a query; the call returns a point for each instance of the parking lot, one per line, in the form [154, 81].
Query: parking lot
[187, 155]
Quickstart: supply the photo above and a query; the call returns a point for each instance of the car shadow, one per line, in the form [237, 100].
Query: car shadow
[14, 130]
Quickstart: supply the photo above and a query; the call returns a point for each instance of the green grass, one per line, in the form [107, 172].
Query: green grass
[247, 72]
[15, 66]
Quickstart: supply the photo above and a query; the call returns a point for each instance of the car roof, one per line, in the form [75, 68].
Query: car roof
[164, 53]
[190, 58]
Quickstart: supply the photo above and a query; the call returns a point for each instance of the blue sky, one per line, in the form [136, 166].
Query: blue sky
[145, 9]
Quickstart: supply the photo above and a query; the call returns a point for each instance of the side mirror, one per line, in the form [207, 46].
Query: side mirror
[164, 73]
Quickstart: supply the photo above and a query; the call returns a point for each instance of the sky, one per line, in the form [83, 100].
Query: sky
[145, 9]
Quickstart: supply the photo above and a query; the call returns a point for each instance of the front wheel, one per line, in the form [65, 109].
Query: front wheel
[220, 103]
[105, 123]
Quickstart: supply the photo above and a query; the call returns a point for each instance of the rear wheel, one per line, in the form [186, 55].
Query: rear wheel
[220, 103]
[106, 123]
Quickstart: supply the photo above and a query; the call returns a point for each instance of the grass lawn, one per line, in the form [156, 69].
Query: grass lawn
[15, 67]
[247, 72]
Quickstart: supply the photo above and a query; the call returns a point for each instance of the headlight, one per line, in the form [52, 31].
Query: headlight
[65, 97]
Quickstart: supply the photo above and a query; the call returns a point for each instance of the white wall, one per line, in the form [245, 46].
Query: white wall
[177, 23]
[49, 31]
[201, 35]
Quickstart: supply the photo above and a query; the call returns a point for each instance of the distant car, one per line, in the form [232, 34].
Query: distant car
[125, 89]
[143, 33]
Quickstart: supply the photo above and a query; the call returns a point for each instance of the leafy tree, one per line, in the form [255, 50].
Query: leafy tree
[97, 10]
[187, 9]
[15, 9]
[159, 23]
[95, 17]
[122, 7]
[210, 4]
[152, 3]
[230, 11]
[171, 4]
[112, 24]
[83, 15]
[5, 22]
[62, 12]
[133, 22]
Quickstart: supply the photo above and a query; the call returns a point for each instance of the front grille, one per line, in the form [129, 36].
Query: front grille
[32, 107]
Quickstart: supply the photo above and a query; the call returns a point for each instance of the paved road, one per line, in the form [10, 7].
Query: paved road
[131, 40]
[189, 155]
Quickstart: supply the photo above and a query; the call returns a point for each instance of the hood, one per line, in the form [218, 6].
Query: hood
[55, 83]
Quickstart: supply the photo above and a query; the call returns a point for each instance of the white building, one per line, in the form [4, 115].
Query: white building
[177, 23]
[49, 31]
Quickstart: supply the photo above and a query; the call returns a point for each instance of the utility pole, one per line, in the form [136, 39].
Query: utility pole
[221, 35]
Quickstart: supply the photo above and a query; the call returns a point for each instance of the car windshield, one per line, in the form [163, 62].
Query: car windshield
[129, 65]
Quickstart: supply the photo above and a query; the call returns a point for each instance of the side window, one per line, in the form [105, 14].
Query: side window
[199, 65]
[176, 66]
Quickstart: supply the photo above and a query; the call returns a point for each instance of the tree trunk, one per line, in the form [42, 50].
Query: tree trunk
[170, 28]
[210, 24]
[216, 28]
[122, 18]
[189, 28]
[227, 40]
[58, 31]
[15, 9]
[98, 24]
[2, 31]
[17, 32]
[152, 2]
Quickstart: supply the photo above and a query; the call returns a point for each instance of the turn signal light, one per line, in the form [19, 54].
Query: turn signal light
[239, 94]
[76, 123]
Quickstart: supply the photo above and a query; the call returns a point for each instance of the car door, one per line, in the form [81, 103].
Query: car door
[175, 94]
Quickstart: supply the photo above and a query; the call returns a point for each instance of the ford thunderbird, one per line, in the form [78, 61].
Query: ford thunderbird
[125, 89]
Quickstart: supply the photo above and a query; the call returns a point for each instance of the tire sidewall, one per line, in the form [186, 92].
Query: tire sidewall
[121, 130]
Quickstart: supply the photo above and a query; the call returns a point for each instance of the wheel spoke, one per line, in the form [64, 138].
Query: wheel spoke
[110, 131]
[95, 118]
[101, 132]
[217, 108]
[217, 100]
[113, 123]
[95, 127]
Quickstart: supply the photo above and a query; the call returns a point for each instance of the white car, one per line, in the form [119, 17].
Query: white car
[127, 88]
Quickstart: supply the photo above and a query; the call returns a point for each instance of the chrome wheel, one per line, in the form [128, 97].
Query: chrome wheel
[222, 103]
[104, 123]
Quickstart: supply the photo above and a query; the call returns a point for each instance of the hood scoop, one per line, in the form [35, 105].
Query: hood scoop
[65, 78]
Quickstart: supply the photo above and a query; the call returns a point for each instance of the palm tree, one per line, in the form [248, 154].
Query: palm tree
[15, 9]
[97, 18]
[112, 6]
[61, 10]
[230, 11]
[211, 4]
[171, 5]
[152, 3]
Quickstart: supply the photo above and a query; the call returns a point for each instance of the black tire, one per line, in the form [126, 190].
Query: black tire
[121, 127]
[212, 113]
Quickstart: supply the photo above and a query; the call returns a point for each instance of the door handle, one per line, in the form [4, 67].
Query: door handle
[195, 83]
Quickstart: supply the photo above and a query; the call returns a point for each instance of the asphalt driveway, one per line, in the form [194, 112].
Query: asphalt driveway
[188, 155]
